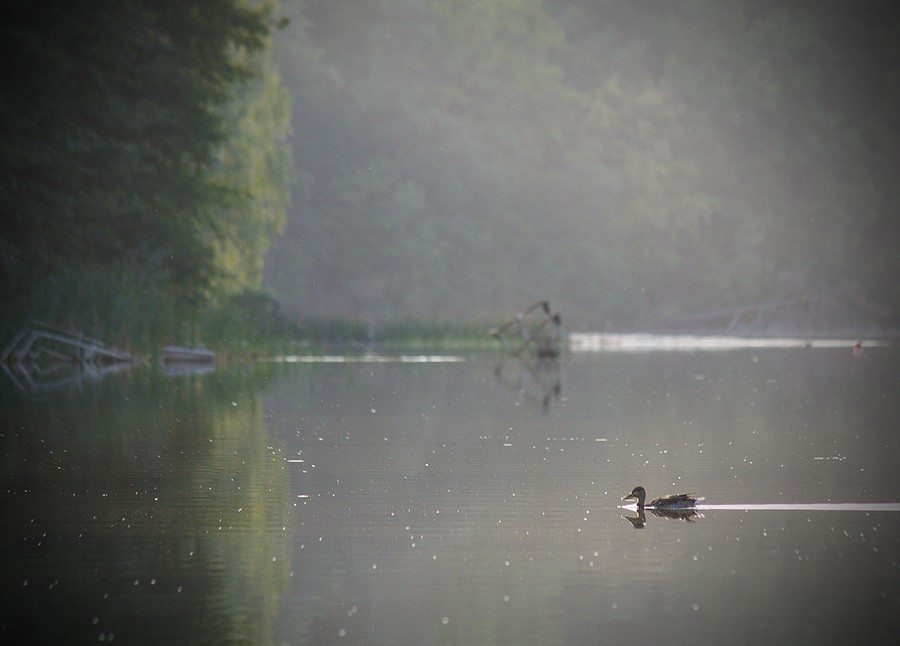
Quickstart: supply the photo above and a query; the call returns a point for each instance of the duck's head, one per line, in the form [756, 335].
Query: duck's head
[637, 493]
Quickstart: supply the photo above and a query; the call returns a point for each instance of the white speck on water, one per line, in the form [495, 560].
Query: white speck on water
[342, 632]
[696, 606]
[234, 403]
[445, 620]
[374, 566]
[614, 605]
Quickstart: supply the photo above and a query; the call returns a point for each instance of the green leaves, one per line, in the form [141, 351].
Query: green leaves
[113, 115]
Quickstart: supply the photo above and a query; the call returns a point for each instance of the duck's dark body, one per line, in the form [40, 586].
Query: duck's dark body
[673, 501]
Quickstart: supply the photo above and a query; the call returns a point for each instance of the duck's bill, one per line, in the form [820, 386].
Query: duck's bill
[629, 497]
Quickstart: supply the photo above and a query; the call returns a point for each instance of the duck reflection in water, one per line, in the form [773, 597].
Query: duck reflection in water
[672, 514]
[680, 506]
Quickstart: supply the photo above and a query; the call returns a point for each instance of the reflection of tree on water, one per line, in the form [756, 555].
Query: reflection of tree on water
[537, 380]
[638, 521]
[33, 378]
[168, 509]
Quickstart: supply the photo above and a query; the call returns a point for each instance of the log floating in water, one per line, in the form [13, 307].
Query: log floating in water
[181, 354]
[537, 328]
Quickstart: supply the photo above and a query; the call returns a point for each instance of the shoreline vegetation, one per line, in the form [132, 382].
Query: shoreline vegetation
[145, 169]
[240, 337]
[236, 334]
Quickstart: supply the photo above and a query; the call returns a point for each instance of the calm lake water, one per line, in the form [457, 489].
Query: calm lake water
[473, 502]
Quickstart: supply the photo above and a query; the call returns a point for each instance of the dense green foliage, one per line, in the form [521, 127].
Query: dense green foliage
[143, 170]
[635, 163]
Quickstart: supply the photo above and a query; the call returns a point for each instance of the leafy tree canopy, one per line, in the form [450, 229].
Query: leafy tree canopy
[112, 120]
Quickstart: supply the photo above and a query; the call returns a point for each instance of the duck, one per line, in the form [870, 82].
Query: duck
[672, 501]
